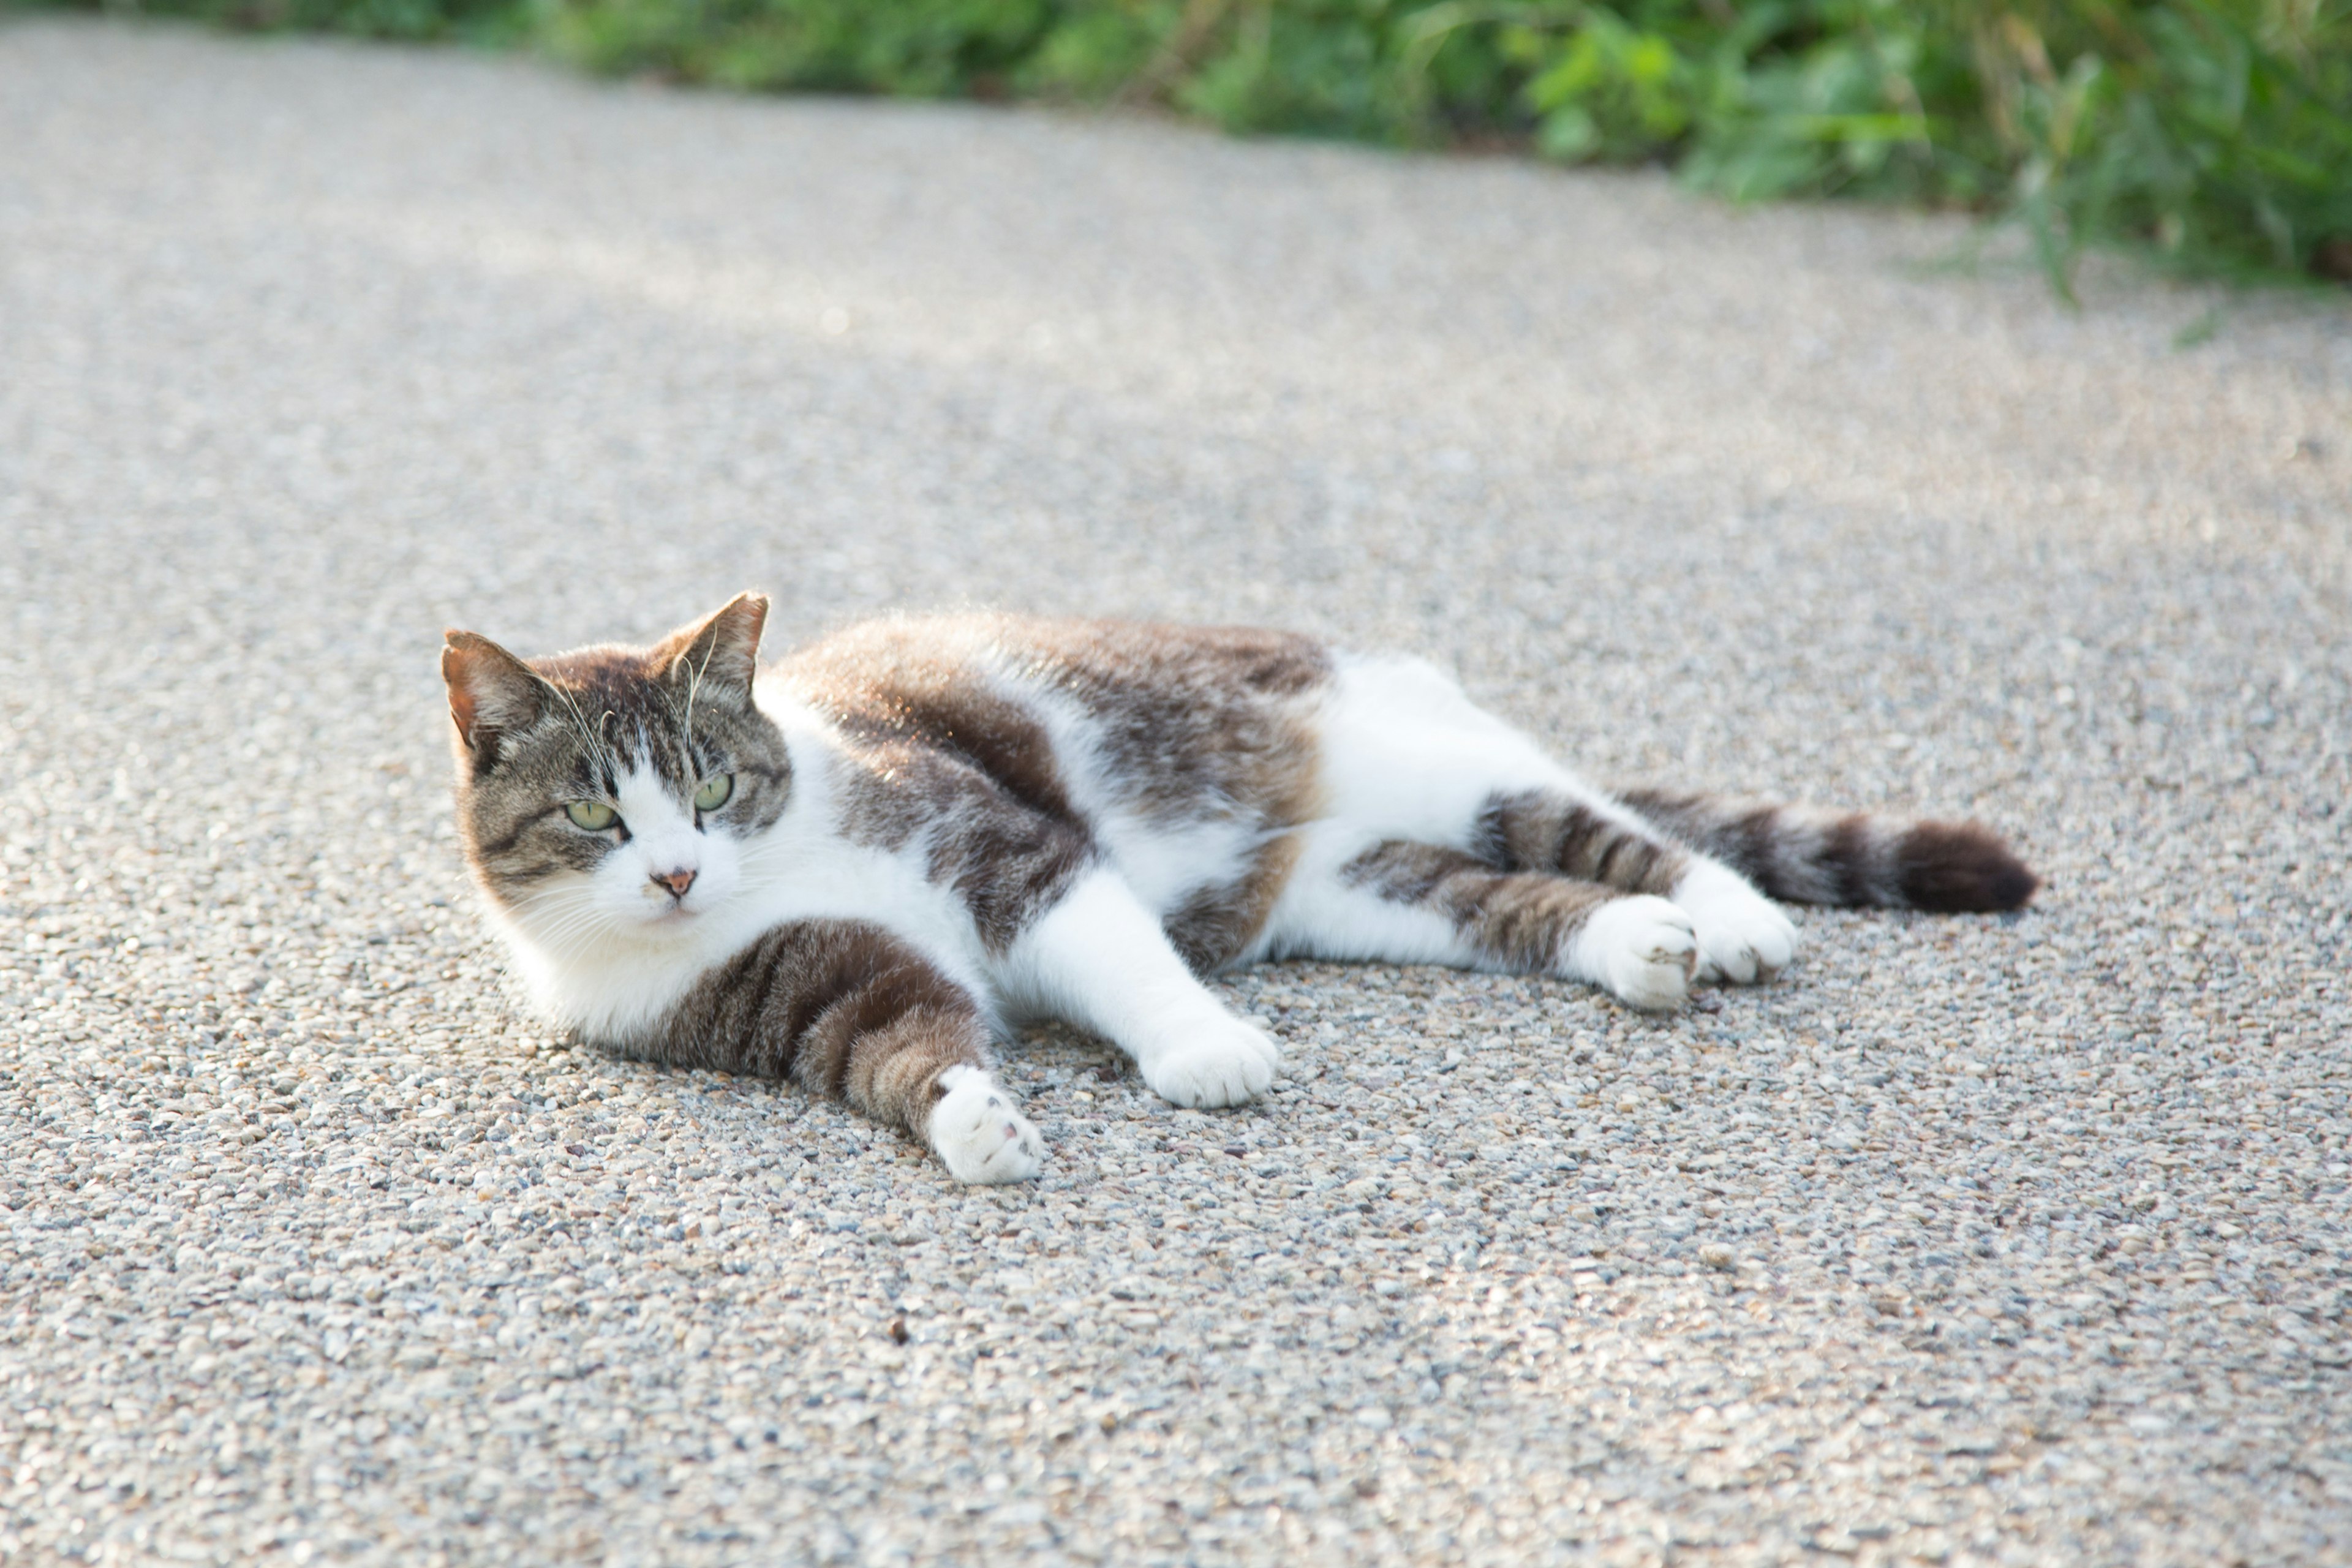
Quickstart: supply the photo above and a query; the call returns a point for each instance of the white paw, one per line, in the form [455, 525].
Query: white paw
[1218, 1061]
[1742, 937]
[979, 1135]
[1642, 950]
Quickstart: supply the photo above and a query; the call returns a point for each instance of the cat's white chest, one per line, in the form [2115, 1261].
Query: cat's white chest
[824, 875]
[801, 869]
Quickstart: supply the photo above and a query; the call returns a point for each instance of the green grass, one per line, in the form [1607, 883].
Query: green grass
[2213, 135]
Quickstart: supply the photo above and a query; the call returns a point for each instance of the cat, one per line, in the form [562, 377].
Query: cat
[853, 867]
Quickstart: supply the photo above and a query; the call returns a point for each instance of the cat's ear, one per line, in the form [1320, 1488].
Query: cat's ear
[718, 653]
[491, 693]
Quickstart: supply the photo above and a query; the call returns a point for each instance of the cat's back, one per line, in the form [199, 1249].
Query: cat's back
[1173, 711]
[903, 671]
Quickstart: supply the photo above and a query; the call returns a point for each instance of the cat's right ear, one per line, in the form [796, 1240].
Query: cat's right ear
[491, 693]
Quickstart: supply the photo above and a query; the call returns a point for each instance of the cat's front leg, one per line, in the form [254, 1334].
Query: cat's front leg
[1208, 1062]
[1099, 959]
[849, 1010]
[978, 1134]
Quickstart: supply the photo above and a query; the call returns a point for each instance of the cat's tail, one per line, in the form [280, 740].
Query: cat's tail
[1809, 856]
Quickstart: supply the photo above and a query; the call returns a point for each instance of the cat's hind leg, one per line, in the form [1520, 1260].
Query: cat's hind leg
[1402, 903]
[1099, 959]
[1742, 937]
[1407, 756]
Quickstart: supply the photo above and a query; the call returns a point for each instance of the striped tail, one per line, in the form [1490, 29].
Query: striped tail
[1809, 856]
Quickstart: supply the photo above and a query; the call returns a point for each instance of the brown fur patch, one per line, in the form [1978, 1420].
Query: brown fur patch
[1962, 866]
[1188, 714]
[1808, 855]
[841, 1008]
[1218, 922]
[936, 750]
[1194, 724]
[895, 685]
[1519, 920]
[1538, 832]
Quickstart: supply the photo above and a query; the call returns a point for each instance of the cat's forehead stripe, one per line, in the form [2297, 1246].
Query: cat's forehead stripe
[631, 713]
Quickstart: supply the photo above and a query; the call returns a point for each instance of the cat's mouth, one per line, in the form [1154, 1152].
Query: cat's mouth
[649, 918]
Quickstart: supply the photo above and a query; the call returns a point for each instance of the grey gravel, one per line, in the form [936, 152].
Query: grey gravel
[1970, 1241]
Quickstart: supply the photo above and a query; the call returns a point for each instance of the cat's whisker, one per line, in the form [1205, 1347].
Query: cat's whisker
[537, 911]
[559, 893]
[561, 917]
[564, 922]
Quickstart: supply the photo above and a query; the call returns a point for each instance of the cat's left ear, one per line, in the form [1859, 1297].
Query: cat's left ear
[721, 653]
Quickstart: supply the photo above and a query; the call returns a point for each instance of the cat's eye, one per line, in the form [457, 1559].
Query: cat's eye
[714, 792]
[592, 815]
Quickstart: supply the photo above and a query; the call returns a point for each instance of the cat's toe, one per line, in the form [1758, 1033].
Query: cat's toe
[1642, 949]
[980, 1137]
[1743, 937]
[1225, 1063]
[1019, 1154]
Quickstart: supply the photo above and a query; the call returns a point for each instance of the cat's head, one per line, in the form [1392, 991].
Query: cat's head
[608, 794]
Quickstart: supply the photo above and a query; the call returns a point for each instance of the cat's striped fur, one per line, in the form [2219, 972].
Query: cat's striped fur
[852, 868]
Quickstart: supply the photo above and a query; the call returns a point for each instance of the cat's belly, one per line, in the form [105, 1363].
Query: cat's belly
[1403, 752]
[1166, 867]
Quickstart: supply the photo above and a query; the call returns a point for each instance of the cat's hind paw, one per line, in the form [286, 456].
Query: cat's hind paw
[1743, 937]
[978, 1134]
[1642, 950]
[1221, 1062]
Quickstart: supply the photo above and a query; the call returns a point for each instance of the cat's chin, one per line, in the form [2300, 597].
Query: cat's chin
[675, 921]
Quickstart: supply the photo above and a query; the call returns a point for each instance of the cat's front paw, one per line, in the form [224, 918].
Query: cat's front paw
[979, 1136]
[1742, 937]
[1221, 1062]
[1642, 950]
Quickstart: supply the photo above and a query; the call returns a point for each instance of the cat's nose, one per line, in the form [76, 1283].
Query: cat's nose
[677, 881]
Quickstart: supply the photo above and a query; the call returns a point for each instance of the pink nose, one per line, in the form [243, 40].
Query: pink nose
[677, 882]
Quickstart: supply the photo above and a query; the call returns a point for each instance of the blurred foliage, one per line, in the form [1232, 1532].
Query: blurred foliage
[2216, 134]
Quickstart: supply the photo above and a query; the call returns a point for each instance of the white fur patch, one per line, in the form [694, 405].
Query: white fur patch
[1641, 950]
[1099, 960]
[979, 1135]
[1321, 915]
[1742, 936]
[1162, 863]
[1406, 755]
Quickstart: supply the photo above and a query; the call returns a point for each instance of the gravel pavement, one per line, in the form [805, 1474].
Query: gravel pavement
[1971, 1241]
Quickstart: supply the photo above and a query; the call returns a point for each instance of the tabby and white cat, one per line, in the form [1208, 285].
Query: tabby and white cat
[852, 867]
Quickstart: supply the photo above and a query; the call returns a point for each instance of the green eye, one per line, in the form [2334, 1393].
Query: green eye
[714, 792]
[592, 814]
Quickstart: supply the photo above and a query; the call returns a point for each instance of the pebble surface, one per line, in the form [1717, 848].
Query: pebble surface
[1969, 1241]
